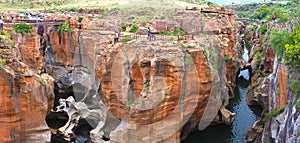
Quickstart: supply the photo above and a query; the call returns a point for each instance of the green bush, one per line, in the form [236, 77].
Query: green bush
[178, 31]
[259, 55]
[255, 27]
[277, 92]
[228, 58]
[12, 43]
[273, 113]
[292, 51]
[126, 38]
[2, 62]
[134, 28]
[278, 40]
[63, 28]
[123, 26]
[261, 13]
[3, 32]
[295, 88]
[2, 39]
[263, 29]
[80, 18]
[22, 28]
[73, 9]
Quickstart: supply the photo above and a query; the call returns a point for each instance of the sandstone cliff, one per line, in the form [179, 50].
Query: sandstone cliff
[270, 86]
[135, 91]
[26, 98]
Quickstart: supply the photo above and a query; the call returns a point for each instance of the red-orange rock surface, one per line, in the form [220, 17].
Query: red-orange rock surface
[159, 90]
[24, 102]
[282, 91]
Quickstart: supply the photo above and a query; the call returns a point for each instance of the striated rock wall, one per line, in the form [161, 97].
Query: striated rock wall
[270, 88]
[26, 98]
[146, 85]
[138, 91]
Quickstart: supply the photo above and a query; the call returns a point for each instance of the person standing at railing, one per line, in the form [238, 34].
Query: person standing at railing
[116, 39]
[1, 25]
[148, 32]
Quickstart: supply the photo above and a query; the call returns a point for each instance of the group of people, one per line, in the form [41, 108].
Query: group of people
[148, 32]
[150, 35]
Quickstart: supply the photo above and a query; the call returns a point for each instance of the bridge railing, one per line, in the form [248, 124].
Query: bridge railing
[155, 37]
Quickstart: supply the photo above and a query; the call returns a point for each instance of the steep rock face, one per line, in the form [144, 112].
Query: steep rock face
[25, 100]
[153, 108]
[270, 88]
[139, 91]
[147, 86]
[261, 60]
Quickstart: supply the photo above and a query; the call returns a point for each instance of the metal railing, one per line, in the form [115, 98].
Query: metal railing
[154, 37]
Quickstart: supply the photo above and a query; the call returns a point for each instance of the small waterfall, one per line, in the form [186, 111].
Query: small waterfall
[245, 73]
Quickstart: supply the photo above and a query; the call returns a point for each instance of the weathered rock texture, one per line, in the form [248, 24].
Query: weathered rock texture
[25, 98]
[270, 87]
[138, 91]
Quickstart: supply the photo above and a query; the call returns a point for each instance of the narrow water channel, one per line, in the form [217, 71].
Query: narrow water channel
[245, 116]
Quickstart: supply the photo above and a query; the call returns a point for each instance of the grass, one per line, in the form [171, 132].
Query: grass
[72, 5]
[58, 5]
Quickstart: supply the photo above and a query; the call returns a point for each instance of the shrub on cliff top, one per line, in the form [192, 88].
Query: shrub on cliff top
[123, 26]
[22, 28]
[63, 28]
[278, 40]
[296, 91]
[134, 28]
[178, 31]
[292, 51]
[263, 29]
[80, 18]
[126, 38]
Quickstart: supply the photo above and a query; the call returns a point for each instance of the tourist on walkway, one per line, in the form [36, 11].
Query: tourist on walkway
[1, 25]
[148, 33]
[116, 39]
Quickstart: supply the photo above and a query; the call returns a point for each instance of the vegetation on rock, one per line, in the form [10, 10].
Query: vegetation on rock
[274, 112]
[126, 38]
[134, 28]
[80, 18]
[42, 81]
[22, 28]
[292, 50]
[123, 26]
[296, 91]
[63, 28]
[2, 62]
[278, 40]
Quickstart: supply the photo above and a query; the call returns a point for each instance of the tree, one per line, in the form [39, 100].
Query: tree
[278, 41]
[292, 51]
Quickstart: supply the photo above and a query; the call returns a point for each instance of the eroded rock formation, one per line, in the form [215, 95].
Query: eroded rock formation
[136, 91]
[26, 98]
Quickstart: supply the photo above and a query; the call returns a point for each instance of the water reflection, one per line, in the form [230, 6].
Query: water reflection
[245, 117]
